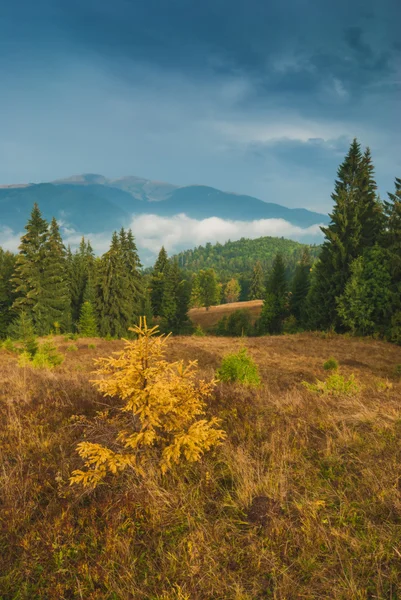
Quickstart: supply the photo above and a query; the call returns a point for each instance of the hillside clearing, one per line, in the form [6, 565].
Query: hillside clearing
[209, 318]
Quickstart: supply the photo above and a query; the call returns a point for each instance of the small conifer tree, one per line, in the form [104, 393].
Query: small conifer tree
[257, 289]
[87, 325]
[167, 403]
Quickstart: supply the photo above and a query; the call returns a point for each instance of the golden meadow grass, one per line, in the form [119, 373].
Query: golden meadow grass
[302, 500]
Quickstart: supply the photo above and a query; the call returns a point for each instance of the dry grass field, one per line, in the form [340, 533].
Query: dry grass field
[302, 500]
[209, 318]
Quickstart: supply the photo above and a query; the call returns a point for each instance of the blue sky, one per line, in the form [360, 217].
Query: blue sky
[250, 96]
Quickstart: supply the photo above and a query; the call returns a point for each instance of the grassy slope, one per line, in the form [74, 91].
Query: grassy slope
[209, 318]
[302, 501]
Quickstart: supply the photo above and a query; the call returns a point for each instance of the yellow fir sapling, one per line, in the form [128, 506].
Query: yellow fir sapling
[166, 401]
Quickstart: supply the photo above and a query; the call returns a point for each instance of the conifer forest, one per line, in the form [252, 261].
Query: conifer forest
[351, 283]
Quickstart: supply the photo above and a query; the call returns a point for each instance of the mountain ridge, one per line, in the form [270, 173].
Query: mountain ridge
[92, 203]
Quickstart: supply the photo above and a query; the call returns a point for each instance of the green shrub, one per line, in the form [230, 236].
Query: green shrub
[91, 346]
[198, 331]
[8, 345]
[237, 324]
[335, 385]
[47, 357]
[72, 348]
[240, 368]
[330, 365]
[290, 325]
[71, 337]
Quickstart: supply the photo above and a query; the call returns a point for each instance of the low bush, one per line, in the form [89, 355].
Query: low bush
[198, 331]
[239, 367]
[237, 324]
[91, 346]
[46, 357]
[331, 364]
[72, 348]
[335, 385]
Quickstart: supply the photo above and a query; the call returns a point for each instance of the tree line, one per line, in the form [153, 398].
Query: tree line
[351, 283]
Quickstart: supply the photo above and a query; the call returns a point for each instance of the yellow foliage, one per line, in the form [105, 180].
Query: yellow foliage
[165, 400]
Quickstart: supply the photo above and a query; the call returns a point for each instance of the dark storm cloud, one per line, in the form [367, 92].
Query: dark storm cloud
[233, 93]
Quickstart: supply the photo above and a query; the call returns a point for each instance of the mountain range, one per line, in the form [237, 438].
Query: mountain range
[94, 203]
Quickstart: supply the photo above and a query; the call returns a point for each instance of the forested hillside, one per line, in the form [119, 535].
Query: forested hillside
[237, 259]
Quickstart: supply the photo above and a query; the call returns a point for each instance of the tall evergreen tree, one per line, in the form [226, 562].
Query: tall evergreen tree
[392, 241]
[275, 307]
[300, 287]
[29, 267]
[7, 265]
[158, 282]
[369, 208]
[114, 301]
[81, 267]
[133, 270]
[343, 240]
[257, 289]
[365, 305]
[56, 294]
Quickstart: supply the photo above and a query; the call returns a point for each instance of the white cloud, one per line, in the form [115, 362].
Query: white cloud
[180, 231]
[8, 239]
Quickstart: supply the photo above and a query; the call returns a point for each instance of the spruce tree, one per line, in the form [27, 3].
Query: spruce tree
[392, 233]
[257, 289]
[342, 241]
[87, 325]
[133, 270]
[7, 265]
[392, 242]
[365, 305]
[157, 282]
[370, 209]
[21, 329]
[300, 287]
[81, 267]
[56, 293]
[114, 301]
[28, 274]
[168, 309]
[275, 307]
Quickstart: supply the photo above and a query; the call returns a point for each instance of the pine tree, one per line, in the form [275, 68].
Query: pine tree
[81, 268]
[55, 285]
[300, 287]
[196, 295]
[114, 302]
[392, 233]
[87, 325]
[133, 270]
[274, 308]
[158, 281]
[392, 241]
[343, 240]
[257, 289]
[29, 267]
[366, 303]
[370, 209]
[21, 329]
[168, 310]
[7, 265]
[232, 291]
